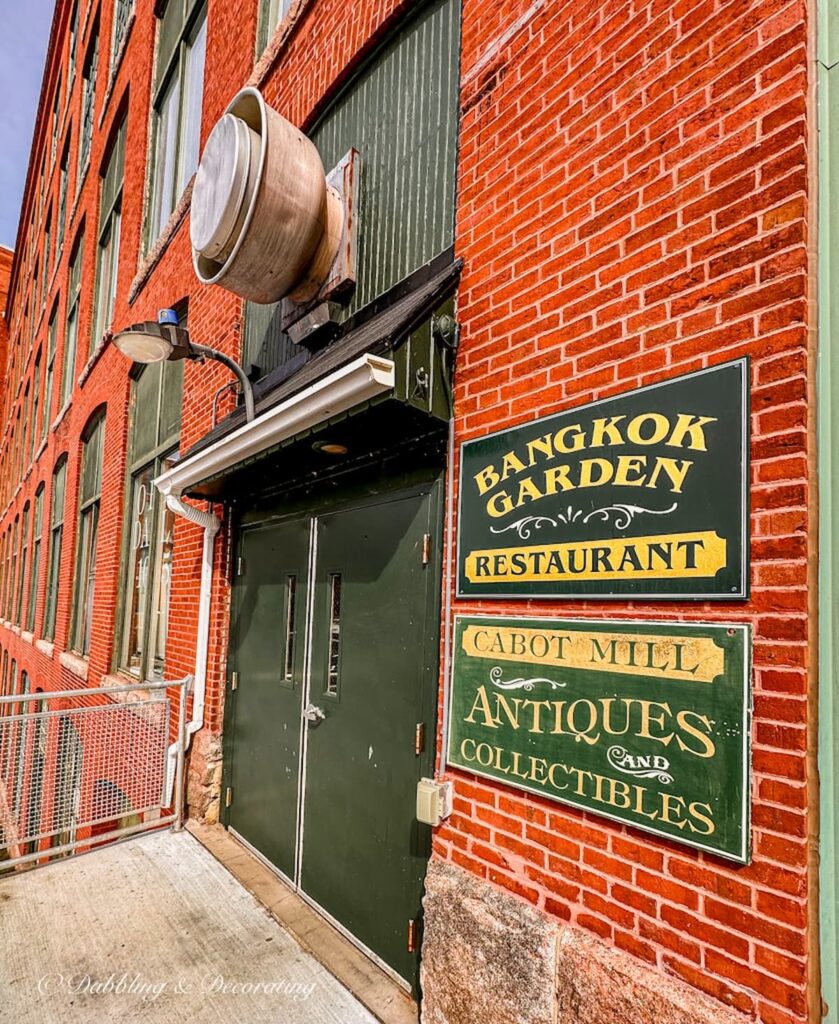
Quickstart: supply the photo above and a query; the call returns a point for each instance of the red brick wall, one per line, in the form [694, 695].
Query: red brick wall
[6, 256]
[634, 204]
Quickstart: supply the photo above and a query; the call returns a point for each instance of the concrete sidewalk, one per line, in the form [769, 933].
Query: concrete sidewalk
[154, 929]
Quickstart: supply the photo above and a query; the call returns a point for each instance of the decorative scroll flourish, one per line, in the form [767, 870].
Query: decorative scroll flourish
[520, 683]
[525, 525]
[640, 766]
[622, 515]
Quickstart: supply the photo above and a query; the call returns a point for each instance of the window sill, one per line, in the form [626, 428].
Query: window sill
[104, 341]
[41, 449]
[116, 63]
[156, 252]
[74, 663]
[45, 647]
[62, 412]
[125, 679]
[27, 636]
[14, 628]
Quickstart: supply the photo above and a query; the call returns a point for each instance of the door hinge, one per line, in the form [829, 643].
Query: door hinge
[234, 680]
[228, 797]
[240, 566]
[426, 548]
[419, 738]
[412, 936]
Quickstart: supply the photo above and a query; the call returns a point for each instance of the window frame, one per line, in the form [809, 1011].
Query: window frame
[61, 215]
[24, 554]
[35, 559]
[49, 372]
[87, 516]
[175, 68]
[56, 543]
[150, 461]
[119, 27]
[10, 591]
[88, 108]
[108, 241]
[71, 324]
[34, 409]
[269, 22]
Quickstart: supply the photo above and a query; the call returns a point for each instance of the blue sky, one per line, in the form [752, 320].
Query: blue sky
[23, 46]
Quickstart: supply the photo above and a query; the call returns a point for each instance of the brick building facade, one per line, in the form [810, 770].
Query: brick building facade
[628, 195]
[5, 272]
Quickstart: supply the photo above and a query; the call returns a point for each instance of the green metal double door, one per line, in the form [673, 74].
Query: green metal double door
[331, 709]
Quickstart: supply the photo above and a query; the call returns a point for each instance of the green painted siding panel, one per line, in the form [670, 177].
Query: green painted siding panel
[400, 113]
[828, 426]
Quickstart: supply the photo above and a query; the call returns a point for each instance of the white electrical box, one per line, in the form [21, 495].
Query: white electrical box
[434, 801]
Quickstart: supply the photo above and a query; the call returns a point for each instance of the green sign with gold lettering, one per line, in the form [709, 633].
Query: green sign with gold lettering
[641, 494]
[643, 722]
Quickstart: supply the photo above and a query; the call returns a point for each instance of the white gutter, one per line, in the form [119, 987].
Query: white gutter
[210, 524]
[357, 382]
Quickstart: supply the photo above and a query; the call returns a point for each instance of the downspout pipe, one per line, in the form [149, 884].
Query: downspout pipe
[210, 524]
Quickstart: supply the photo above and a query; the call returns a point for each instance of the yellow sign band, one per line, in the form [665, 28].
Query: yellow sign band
[667, 556]
[691, 658]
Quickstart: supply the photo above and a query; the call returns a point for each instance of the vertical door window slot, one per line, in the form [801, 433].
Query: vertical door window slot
[334, 633]
[290, 632]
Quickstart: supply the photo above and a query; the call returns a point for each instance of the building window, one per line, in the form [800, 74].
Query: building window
[55, 106]
[45, 408]
[155, 425]
[62, 200]
[272, 13]
[3, 571]
[35, 566]
[7, 582]
[24, 552]
[71, 56]
[122, 12]
[59, 478]
[46, 263]
[88, 103]
[24, 446]
[90, 493]
[107, 251]
[34, 423]
[10, 589]
[71, 333]
[18, 447]
[177, 101]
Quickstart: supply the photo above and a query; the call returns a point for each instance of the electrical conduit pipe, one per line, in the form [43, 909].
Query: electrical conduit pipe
[210, 524]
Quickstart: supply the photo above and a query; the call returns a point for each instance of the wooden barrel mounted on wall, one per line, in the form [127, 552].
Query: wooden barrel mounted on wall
[264, 224]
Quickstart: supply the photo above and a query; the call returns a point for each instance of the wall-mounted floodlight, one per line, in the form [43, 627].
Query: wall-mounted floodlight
[157, 342]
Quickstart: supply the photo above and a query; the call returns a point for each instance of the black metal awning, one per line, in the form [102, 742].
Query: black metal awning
[380, 328]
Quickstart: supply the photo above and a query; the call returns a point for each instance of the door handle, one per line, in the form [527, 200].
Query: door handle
[313, 714]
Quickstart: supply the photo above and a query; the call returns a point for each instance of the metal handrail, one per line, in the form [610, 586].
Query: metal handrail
[172, 797]
[29, 698]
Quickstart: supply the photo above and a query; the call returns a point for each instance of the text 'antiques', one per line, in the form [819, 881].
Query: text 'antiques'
[645, 722]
